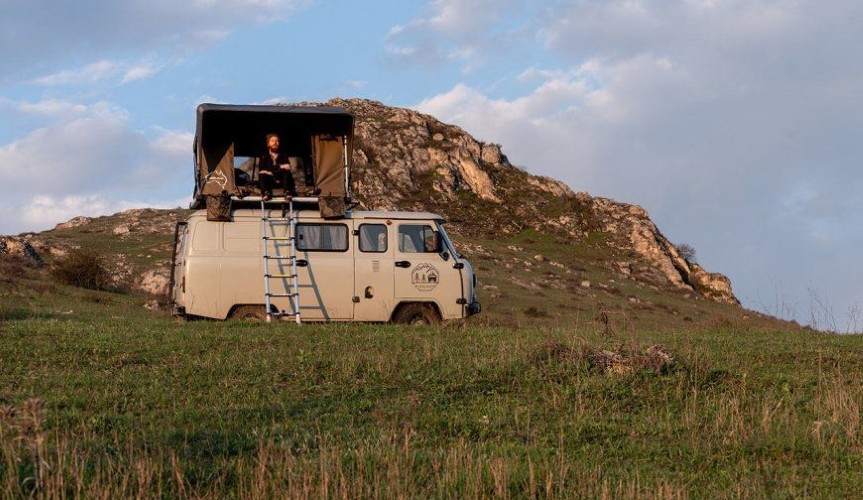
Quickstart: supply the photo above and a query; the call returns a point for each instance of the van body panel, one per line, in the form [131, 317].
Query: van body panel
[371, 263]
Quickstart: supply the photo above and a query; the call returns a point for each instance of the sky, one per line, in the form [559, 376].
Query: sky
[738, 124]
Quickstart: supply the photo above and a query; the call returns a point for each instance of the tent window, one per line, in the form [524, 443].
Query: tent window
[373, 238]
[322, 237]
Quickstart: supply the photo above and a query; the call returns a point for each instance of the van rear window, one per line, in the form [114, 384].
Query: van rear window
[322, 237]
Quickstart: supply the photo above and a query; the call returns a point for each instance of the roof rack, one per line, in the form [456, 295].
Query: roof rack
[277, 199]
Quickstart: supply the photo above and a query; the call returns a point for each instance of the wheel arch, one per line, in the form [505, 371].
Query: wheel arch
[405, 303]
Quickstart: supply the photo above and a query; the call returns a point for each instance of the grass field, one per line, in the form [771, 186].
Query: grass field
[101, 398]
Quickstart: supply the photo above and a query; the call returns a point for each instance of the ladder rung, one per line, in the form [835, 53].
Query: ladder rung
[277, 219]
[281, 294]
[284, 313]
[279, 257]
[278, 238]
[280, 275]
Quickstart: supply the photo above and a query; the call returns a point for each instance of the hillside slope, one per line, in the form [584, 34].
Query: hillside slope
[544, 254]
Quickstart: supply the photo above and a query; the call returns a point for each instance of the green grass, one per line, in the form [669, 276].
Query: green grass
[101, 397]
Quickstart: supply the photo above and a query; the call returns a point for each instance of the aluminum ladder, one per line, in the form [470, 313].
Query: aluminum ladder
[287, 277]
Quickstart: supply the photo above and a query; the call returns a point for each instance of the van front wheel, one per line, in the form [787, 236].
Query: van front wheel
[417, 314]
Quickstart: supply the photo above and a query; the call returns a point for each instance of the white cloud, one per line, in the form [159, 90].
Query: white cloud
[735, 123]
[89, 74]
[462, 31]
[44, 212]
[32, 39]
[90, 160]
[101, 71]
[139, 72]
[51, 107]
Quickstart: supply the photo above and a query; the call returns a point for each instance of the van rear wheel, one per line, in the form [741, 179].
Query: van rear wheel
[250, 313]
[417, 314]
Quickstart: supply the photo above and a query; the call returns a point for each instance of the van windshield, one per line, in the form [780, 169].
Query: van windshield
[446, 241]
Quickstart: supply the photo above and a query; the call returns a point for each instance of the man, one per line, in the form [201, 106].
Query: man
[274, 169]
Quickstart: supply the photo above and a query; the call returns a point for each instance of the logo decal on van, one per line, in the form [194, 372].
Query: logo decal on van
[425, 277]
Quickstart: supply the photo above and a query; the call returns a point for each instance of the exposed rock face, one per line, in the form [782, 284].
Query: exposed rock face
[712, 285]
[19, 247]
[74, 222]
[645, 239]
[155, 282]
[410, 145]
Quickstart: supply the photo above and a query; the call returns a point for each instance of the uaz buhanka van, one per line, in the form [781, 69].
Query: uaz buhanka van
[307, 254]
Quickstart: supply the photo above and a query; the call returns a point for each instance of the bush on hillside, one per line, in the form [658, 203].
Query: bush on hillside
[82, 268]
[687, 253]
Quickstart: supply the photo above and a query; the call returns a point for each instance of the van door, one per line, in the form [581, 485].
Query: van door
[421, 273]
[373, 282]
[325, 268]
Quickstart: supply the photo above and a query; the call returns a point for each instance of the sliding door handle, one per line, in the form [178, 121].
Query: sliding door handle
[403, 263]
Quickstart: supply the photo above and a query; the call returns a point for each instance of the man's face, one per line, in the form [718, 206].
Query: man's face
[273, 143]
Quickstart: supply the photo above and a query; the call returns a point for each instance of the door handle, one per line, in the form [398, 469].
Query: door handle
[302, 263]
[403, 263]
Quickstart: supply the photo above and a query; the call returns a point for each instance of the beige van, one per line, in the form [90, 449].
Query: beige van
[366, 266]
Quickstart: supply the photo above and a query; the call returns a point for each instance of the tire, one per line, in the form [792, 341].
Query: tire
[417, 315]
[250, 313]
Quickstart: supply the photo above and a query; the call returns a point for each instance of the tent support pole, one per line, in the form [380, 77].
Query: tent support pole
[347, 172]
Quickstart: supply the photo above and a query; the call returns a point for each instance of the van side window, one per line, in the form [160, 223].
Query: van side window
[416, 238]
[373, 238]
[322, 237]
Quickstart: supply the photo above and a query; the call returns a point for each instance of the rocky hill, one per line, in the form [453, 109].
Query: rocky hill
[534, 240]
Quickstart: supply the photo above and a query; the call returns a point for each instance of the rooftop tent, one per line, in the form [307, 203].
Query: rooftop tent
[324, 134]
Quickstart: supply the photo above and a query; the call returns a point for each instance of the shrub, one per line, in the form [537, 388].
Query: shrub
[82, 268]
[534, 312]
[687, 253]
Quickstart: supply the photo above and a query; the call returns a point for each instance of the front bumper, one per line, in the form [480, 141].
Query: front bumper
[474, 308]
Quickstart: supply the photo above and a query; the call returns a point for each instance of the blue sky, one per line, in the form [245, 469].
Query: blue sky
[735, 123]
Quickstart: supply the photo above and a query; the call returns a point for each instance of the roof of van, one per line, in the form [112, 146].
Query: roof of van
[370, 214]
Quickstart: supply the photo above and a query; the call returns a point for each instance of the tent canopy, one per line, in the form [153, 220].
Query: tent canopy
[223, 131]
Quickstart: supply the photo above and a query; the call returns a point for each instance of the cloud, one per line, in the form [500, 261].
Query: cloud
[46, 211]
[34, 36]
[467, 32]
[105, 71]
[97, 154]
[735, 123]
[51, 107]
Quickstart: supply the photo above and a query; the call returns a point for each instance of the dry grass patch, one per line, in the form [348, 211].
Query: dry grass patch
[655, 358]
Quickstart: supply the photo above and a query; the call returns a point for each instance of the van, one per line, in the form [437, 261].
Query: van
[299, 249]
[366, 266]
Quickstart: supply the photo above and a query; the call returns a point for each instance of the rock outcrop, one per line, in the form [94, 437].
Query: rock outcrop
[16, 246]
